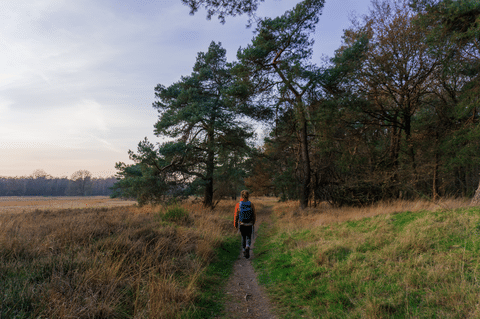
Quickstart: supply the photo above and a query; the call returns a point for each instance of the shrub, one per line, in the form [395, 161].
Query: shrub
[176, 214]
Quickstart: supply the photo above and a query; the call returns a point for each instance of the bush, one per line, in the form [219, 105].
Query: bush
[358, 194]
[176, 214]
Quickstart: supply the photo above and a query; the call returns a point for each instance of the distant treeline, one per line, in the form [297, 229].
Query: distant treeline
[81, 183]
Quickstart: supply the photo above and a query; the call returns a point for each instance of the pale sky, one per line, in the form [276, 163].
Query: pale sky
[77, 78]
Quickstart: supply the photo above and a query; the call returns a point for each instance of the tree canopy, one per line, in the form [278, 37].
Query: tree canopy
[394, 114]
[278, 60]
[205, 128]
[223, 8]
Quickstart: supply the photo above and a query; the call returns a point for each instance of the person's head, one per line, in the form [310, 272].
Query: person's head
[244, 194]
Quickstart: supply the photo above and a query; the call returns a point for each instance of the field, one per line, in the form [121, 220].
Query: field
[28, 203]
[402, 259]
[112, 262]
[399, 259]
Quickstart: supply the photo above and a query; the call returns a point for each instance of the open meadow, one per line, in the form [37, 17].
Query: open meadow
[398, 259]
[28, 203]
[401, 259]
[113, 261]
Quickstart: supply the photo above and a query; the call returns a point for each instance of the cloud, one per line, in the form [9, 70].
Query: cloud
[7, 145]
[70, 125]
[5, 105]
[88, 115]
[78, 77]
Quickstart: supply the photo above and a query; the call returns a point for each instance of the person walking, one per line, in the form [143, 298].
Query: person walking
[244, 220]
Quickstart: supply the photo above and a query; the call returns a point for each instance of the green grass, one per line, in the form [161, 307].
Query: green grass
[411, 264]
[210, 302]
[176, 214]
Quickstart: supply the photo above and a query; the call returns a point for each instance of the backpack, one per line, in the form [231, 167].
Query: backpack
[246, 212]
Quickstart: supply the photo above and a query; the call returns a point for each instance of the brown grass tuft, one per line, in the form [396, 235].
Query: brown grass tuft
[291, 217]
[106, 262]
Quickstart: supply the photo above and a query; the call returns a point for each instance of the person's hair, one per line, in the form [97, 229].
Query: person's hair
[244, 194]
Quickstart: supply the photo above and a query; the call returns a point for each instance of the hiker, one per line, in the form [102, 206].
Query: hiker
[243, 220]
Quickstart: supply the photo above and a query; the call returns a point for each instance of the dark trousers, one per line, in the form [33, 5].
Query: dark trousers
[246, 232]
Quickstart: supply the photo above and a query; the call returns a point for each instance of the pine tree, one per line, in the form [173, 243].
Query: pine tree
[277, 61]
[201, 122]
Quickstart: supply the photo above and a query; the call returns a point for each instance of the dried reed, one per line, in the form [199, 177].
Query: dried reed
[106, 262]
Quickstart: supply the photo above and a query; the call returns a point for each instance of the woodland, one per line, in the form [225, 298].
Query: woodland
[39, 183]
[394, 114]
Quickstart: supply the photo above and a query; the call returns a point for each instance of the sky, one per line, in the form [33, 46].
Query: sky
[77, 78]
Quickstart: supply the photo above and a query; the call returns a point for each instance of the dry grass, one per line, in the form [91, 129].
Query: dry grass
[29, 203]
[291, 217]
[120, 262]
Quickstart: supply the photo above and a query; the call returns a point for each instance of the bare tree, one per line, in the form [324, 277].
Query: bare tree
[80, 184]
[396, 75]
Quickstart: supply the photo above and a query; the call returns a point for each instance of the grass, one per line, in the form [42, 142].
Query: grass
[118, 262]
[395, 263]
[19, 204]
[392, 260]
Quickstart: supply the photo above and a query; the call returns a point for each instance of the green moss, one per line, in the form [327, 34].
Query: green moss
[210, 302]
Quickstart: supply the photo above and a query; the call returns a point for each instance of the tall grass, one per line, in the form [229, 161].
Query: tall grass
[392, 260]
[126, 262]
[325, 214]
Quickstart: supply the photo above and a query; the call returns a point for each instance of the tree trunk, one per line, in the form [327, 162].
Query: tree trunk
[208, 198]
[395, 147]
[435, 171]
[305, 162]
[476, 197]
[395, 138]
[407, 122]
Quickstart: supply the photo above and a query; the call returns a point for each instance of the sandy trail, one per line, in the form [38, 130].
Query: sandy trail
[245, 297]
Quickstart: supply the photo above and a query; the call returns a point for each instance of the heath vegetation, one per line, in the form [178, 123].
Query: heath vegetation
[119, 262]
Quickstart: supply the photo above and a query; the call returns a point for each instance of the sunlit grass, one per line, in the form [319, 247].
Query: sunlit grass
[393, 260]
[126, 262]
[325, 214]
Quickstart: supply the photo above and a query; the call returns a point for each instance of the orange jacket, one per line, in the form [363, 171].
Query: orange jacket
[236, 215]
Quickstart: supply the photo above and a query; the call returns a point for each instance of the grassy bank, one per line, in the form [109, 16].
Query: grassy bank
[123, 262]
[412, 264]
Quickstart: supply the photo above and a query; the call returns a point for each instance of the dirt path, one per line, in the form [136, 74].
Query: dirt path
[245, 298]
